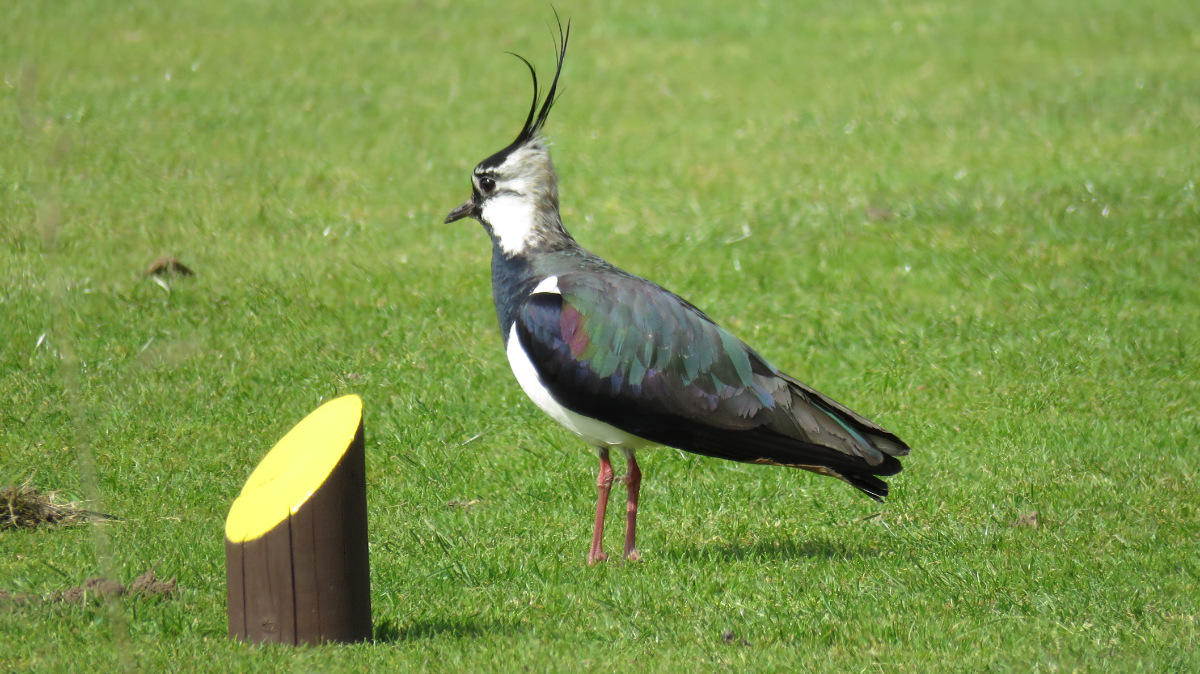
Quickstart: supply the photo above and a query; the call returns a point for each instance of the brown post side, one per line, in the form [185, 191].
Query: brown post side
[307, 580]
[267, 582]
[235, 587]
[357, 549]
[332, 571]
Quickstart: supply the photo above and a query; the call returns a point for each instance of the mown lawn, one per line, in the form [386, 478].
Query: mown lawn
[976, 222]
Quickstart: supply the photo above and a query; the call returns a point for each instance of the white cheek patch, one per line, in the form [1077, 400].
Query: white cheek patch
[511, 219]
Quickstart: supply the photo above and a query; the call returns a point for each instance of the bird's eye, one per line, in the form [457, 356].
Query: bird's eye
[487, 183]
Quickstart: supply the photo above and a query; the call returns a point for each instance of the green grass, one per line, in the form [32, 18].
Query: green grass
[977, 222]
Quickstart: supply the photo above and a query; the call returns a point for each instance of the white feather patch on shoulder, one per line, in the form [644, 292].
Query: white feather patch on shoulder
[548, 285]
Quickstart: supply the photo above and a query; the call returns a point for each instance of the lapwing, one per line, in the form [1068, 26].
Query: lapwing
[624, 363]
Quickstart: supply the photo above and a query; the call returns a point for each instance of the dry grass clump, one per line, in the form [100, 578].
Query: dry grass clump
[26, 506]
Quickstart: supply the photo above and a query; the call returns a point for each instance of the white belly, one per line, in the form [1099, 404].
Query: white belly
[596, 433]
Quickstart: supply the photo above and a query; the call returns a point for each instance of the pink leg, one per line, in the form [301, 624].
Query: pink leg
[604, 482]
[633, 483]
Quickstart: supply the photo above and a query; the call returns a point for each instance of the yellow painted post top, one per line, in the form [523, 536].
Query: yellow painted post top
[294, 469]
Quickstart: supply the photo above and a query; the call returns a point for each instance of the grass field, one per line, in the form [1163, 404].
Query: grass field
[977, 222]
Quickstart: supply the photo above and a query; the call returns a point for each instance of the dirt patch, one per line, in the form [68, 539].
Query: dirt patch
[25, 506]
[145, 586]
[1029, 519]
[168, 266]
[729, 637]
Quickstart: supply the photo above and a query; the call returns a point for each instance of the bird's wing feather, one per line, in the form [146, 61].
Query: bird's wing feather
[623, 350]
[613, 343]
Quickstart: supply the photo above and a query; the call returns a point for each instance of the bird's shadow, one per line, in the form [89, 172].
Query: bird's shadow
[735, 551]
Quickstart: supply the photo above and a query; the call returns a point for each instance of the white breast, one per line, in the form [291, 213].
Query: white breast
[597, 433]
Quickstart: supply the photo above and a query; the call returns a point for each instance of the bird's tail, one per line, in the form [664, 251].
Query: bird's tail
[805, 429]
[862, 449]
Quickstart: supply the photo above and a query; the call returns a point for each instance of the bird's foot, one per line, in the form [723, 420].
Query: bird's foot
[633, 556]
[595, 557]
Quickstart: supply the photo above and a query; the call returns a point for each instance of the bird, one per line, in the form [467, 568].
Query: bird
[624, 363]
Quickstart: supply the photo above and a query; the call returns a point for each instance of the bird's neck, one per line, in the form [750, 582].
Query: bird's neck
[529, 242]
[513, 277]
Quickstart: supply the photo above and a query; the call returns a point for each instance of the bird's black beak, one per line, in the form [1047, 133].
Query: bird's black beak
[467, 208]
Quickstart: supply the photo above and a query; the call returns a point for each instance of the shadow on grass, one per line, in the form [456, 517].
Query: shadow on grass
[732, 551]
[389, 630]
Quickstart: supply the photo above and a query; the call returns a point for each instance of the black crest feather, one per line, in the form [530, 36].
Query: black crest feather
[536, 118]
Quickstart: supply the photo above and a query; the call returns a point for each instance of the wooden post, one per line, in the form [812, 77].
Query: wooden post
[296, 537]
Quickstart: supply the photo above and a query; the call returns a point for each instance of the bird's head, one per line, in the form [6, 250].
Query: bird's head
[514, 192]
